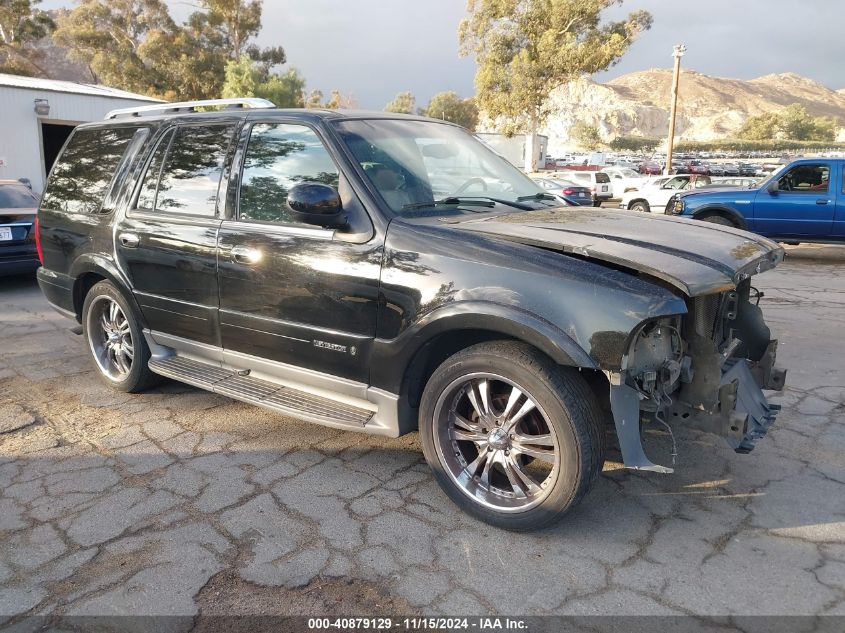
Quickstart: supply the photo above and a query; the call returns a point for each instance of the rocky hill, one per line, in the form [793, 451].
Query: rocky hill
[708, 107]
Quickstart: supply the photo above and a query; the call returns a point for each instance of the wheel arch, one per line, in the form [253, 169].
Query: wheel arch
[737, 218]
[634, 201]
[88, 271]
[420, 352]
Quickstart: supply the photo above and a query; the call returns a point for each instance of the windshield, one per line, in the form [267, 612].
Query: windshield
[412, 164]
[17, 197]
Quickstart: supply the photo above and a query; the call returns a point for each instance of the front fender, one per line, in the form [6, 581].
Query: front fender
[435, 281]
[735, 215]
[504, 321]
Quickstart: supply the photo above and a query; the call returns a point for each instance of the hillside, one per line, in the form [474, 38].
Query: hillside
[708, 107]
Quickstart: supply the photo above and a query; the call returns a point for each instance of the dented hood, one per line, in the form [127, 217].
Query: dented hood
[694, 256]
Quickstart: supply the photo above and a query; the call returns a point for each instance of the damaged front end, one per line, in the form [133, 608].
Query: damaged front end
[705, 370]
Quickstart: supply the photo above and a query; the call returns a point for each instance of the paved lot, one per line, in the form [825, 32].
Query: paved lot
[178, 500]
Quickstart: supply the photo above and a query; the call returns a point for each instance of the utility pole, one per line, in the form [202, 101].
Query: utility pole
[677, 53]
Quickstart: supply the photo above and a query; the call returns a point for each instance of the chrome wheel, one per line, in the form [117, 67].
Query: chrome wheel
[110, 338]
[496, 443]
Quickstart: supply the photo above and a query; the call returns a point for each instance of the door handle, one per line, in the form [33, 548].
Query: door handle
[822, 201]
[129, 240]
[245, 255]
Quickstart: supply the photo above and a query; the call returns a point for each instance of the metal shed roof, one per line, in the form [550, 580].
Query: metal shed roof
[54, 85]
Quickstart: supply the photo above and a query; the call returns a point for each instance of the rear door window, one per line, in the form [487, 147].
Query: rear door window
[190, 172]
[84, 172]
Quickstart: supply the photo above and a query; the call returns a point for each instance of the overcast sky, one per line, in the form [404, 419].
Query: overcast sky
[376, 48]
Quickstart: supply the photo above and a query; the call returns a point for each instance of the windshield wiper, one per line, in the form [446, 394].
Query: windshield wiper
[450, 201]
[537, 196]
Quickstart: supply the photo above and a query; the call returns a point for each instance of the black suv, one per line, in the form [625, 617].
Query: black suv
[385, 273]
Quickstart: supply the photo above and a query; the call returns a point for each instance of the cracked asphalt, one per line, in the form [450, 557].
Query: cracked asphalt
[177, 501]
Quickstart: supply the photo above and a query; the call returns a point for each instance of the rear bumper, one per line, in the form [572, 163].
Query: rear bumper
[18, 260]
[58, 290]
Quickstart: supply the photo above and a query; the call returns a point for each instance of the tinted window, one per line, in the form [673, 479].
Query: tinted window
[806, 177]
[278, 156]
[17, 197]
[82, 175]
[147, 197]
[601, 177]
[192, 168]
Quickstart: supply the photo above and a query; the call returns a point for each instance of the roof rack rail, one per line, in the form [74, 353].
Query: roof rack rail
[189, 106]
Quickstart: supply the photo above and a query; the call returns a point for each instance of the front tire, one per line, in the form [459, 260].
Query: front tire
[512, 438]
[716, 218]
[641, 206]
[115, 339]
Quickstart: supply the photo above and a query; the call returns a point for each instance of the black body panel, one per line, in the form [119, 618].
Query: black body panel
[173, 273]
[437, 278]
[309, 301]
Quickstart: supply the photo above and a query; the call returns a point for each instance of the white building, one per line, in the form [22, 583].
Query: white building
[37, 115]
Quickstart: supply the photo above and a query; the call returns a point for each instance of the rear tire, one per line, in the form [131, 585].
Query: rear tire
[596, 202]
[116, 340]
[717, 218]
[641, 206]
[513, 439]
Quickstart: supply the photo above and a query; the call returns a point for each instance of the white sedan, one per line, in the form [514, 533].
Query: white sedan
[655, 193]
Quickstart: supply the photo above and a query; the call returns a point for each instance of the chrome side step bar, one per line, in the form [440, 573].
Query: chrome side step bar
[280, 398]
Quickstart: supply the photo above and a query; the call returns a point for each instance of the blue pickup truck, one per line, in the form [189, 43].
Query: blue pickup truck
[802, 202]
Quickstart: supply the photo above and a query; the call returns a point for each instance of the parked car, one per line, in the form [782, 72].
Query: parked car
[651, 168]
[653, 196]
[699, 167]
[597, 182]
[18, 250]
[747, 169]
[714, 169]
[298, 260]
[574, 194]
[801, 203]
[622, 179]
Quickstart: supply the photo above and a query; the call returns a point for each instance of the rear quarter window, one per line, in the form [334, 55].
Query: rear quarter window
[601, 177]
[83, 174]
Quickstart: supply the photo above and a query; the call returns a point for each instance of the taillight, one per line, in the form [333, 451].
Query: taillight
[592, 189]
[568, 192]
[38, 242]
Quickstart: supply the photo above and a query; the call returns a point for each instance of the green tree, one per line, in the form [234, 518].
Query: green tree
[761, 127]
[450, 107]
[825, 129]
[527, 48]
[314, 99]
[115, 39]
[587, 136]
[791, 123]
[285, 90]
[244, 77]
[634, 144]
[336, 101]
[796, 123]
[21, 24]
[137, 46]
[403, 103]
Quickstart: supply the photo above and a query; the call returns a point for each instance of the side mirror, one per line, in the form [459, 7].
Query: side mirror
[772, 187]
[317, 204]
